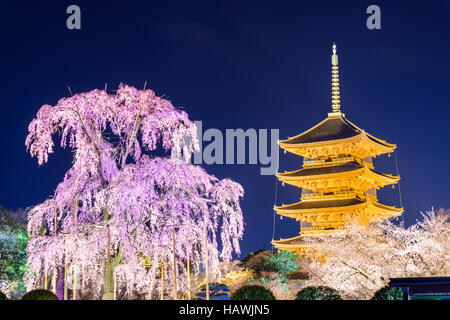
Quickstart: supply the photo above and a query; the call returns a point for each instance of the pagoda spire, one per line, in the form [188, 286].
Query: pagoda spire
[335, 97]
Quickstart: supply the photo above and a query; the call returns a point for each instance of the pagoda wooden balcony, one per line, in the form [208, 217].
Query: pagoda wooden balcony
[337, 195]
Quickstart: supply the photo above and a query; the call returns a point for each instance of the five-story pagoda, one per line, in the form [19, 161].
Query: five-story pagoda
[338, 179]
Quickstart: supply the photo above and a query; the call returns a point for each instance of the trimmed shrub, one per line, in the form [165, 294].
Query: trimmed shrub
[281, 261]
[388, 293]
[40, 295]
[252, 293]
[3, 296]
[318, 293]
[255, 260]
[234, 278]
[267, 261]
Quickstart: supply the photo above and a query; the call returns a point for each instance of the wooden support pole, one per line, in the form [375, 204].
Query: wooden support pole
[55, 274]
[54, 266]
[65, 270]
[74, 292]
[206, 261]
[188, 276]
[74, 295]
[162, 279]
[108, 264]
[115, 284]
[174, 266]
[45, 281]
[56, 221]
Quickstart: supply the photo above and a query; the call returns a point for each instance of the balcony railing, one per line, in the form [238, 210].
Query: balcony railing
[341, 194]
[317, 230]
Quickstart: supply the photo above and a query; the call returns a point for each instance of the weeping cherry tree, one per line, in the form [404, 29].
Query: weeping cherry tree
[110, 224]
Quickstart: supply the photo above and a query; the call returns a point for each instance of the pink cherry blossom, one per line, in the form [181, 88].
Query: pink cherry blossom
[116, 184]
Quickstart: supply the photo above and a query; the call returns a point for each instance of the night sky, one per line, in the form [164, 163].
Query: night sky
[239, 64]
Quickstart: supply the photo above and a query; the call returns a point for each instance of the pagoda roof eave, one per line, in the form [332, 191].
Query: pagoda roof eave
[292, 212]
[331, 130]
[294, 245]
[291, 244]
[290, 209]
[387, 208]
[387, 144]
[288, 143]
[295, 176]
[363, 137]
[346, 167]
[298, 239]
[285, 241]
[303, 133]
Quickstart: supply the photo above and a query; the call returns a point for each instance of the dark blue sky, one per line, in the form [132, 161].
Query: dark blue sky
[239, 64]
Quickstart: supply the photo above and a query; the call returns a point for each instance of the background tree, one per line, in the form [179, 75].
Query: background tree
[118, 198]
[361, 259]
[13, 257]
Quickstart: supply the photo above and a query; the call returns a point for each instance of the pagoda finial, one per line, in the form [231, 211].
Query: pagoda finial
[335, 97]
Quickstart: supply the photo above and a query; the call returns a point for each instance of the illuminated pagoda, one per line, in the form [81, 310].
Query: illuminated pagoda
[338, 179]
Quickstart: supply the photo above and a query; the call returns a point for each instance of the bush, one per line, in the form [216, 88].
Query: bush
[388, 293]
[252, 293]
[254, 261]
[267, 261]
[275, 284]
[234, 278]
[40, 295]
[3, 296]
[318, 293]
[282, 262]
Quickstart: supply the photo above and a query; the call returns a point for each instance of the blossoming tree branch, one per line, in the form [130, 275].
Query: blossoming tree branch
[110, 224]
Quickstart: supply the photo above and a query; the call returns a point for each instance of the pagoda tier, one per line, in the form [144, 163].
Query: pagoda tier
[328, 214]
[336, 176]
[336, 136]
[324, 217]
[338, 179]
[295, 244]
